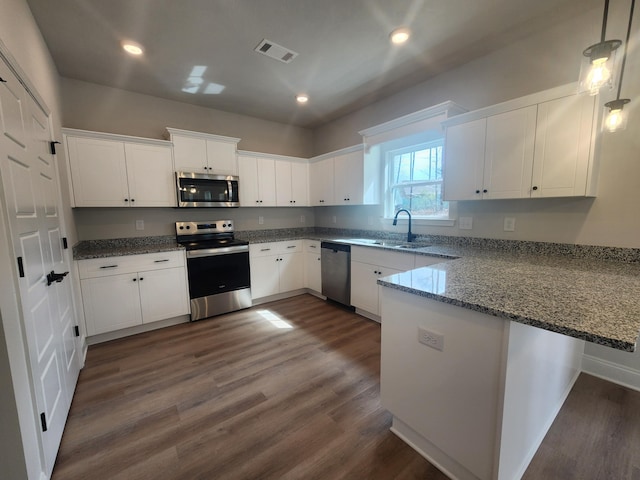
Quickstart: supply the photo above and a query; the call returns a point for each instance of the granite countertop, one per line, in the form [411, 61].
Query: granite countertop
[590, 299]
[586, 292]
[124, 246]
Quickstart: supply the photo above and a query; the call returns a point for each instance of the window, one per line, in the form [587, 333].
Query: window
[414, 180]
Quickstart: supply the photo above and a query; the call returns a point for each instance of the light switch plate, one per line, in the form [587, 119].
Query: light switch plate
[139, 224]
[465, 223]
[509, 224]
[260, 220]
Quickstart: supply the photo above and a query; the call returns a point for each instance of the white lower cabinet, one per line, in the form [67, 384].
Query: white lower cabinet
[122, 292]
[312, 266]
[276, 267]
[370, 264]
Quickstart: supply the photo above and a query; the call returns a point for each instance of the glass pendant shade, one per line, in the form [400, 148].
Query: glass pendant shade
[598, 67]
[616, 118]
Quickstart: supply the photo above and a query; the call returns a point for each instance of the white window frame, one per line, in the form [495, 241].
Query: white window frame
[389, 207]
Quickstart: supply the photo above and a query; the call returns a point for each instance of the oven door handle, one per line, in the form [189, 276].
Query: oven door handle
[211, 252]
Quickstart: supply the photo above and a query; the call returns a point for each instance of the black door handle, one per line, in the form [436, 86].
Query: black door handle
[55, 277]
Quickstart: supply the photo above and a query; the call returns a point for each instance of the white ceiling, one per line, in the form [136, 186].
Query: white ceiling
[345, 58]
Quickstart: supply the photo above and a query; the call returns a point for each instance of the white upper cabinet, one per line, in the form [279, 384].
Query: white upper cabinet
[118, 171]
[563, 163]
[257, 181]
[541, 145]
[204, 153]
[321, 182]
[292, 183]
[344, 178]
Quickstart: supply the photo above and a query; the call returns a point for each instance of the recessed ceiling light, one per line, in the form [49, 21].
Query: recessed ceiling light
[132, 48]
[302, 98]
[400, 35]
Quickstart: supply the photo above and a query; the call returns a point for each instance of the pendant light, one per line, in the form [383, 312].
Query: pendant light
[616, 119]
[598, 63]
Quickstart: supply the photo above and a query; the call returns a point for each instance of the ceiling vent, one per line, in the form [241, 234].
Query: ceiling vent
[275, 51]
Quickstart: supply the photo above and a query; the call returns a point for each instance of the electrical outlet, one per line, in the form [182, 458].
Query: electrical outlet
[431, 339]
[139, 224]
[335, 220]
[465, 223]
[260, 220]
[302, 219]
[509, 224]
[370, 220]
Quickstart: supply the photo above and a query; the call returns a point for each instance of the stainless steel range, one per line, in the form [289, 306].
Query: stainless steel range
[218, 267]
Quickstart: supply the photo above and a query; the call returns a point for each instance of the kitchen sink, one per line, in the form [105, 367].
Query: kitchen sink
[385, 243]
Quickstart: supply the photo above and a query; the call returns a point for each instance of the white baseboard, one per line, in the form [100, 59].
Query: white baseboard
[612, 372]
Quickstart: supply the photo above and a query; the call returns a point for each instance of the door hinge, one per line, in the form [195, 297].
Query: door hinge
[20, 267]
[77, 330]
[43, 421]
[52, 145]
[65, 245]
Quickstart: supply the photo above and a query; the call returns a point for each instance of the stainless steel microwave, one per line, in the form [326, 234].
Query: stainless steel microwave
[204, 190]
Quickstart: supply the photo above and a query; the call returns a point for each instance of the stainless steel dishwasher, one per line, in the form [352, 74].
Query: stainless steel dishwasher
[336, 272]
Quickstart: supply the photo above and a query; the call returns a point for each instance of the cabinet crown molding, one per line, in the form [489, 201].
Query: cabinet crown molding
[272, 156]
[335, 153]
[520, 102]
[114, 136]
[209, 136]
[448, 107]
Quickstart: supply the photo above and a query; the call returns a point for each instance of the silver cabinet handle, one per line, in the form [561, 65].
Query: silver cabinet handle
[265, 249]
[292, 246]
[161, 261]
[109, 266]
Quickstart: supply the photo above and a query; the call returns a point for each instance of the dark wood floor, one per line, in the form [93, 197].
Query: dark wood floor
[236, 397]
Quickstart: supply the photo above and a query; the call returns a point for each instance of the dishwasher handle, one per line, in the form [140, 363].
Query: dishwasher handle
[336, 247]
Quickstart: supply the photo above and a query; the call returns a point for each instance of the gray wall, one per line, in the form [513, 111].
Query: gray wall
[89, 106]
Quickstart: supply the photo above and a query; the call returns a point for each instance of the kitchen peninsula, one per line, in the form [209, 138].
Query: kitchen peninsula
[479, 354]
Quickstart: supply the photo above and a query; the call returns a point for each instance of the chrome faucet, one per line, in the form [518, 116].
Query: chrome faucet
[410, 236]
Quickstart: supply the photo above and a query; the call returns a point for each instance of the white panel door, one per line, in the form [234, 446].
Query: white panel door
[248, 183]
[163, 294]
[348, 178]
[291, 271]
[313, 271]
[321, 182]
[284, 196]
[222, 158]
[300, 184]
[464, 160]
[508, 159]
[563, 147]
[98, 172]
[265, 276]
[29, 180]
[190, 154]
[267, 181]
[150, 176]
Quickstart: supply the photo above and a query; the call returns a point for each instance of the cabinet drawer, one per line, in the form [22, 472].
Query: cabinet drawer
[312, 246]
[102, 267]
[377, 256]
[275, 248]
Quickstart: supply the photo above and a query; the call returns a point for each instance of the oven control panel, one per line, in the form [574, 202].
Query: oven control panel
[204, 227]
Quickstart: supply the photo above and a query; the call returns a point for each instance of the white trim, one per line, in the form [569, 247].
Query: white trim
[449, 107]
[521, 102]
[208, 136]
[22, 77]
[73, 132]
[335, 153]
[611, 371]
[272, 156]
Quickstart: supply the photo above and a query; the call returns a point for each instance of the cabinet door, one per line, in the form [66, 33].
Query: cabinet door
[163, 294]
[190, 154]
[291, 272]
[98, 172]
[464, 160]
[508, 159]
[222, 158]
[265, 276]
[563, 147]
[111, 303]
[364, 287]
[150, 176]
[321, 186]
[313, 271]
[348, 178]
[248, 183]
[284, 197]
[300, 184]
[267, 182]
